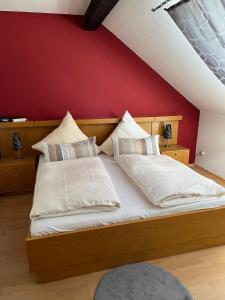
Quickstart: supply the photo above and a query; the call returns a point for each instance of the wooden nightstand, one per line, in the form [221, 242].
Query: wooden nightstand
[17, 175]
[177, 152]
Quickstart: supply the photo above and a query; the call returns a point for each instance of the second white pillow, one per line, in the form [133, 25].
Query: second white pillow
[127, 128]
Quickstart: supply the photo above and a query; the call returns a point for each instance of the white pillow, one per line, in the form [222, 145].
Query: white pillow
[67, 132]
[127, 128]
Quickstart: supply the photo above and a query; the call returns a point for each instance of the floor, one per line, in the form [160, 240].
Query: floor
[203, 272]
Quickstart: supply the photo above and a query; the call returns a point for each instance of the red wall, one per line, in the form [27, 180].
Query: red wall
[49, 64]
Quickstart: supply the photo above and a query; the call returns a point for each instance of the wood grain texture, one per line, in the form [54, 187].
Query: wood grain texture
[177, 152]
[16, 124]
[59, 256]
[33, 131]
[168, 118]
[63, 255]
[17, 175]
[202, 272]
[158, 128]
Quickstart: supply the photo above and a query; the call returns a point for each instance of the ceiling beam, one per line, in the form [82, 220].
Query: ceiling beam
[96, 13]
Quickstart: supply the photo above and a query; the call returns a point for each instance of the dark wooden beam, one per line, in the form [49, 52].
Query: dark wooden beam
[96, 13]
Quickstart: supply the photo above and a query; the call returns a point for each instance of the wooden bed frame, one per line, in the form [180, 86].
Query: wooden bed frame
[63, 255]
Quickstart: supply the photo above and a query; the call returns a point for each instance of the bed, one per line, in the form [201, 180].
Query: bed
[135, 206]
[62, 248]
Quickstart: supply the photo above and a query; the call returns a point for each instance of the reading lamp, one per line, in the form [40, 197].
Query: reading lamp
[167, 133]
[16, 143]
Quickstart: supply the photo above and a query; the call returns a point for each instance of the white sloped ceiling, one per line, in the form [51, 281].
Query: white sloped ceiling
[152, 36]
[159, 42]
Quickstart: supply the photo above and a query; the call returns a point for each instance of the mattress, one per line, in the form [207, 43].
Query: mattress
[135, 206]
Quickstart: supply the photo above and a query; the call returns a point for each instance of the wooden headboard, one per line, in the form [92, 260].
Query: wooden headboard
[33, 131]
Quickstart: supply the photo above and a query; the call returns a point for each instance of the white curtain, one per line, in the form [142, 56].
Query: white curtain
[203, 24]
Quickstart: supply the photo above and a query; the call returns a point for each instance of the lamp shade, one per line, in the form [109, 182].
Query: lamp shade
[168, 131]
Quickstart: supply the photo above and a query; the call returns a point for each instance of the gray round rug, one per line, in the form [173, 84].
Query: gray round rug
[140, 281]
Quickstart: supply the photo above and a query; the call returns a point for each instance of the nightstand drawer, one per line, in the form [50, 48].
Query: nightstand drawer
[17, 175]
[182, 156]
[177, 152]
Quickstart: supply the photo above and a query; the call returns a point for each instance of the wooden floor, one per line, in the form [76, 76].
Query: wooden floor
[203, 272]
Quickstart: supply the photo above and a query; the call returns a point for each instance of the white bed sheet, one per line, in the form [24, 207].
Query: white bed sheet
[134, 206]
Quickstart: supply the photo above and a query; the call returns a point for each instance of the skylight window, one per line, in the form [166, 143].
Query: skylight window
[203, 24]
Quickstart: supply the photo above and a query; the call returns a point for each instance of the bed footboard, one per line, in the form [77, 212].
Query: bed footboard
[64, 255]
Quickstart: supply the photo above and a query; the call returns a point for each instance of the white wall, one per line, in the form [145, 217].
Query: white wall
[76, 7]
[211, 138]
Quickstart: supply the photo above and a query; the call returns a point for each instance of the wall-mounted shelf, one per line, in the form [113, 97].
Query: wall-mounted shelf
[16, 124]
[84, 121]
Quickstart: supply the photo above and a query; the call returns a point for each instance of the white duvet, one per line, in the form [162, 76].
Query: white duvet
[73, 187]
[167, 182]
